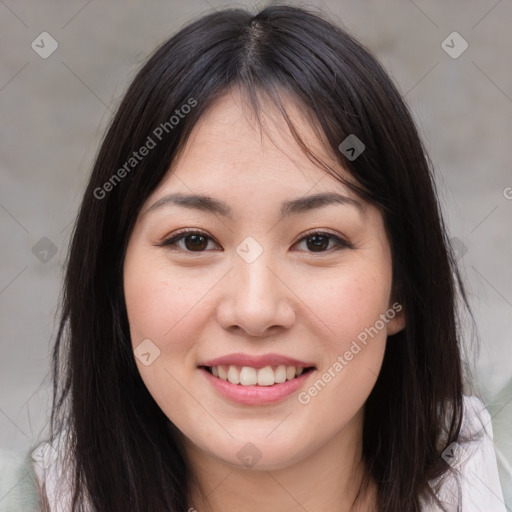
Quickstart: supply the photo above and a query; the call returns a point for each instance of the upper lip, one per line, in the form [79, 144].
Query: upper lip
[256, 361]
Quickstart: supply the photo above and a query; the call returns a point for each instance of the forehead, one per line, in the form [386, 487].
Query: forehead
[227, 146]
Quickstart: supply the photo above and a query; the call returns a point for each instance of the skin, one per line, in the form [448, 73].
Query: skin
[292, 300]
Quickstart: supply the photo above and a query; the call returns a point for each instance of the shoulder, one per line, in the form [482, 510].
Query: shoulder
[35, 480]
[18, 486]
[475, 484]
[48, 462]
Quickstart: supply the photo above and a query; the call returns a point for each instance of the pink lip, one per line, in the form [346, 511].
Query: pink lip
[255, 395]
[256, 361]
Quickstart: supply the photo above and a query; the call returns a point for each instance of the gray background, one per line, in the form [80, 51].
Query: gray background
[54, 111]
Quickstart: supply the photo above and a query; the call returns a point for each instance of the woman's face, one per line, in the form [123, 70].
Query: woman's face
[257, 288]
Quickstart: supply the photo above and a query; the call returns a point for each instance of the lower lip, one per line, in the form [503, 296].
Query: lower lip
[256, 395]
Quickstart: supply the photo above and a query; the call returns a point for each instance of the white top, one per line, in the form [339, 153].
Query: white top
[478, 489]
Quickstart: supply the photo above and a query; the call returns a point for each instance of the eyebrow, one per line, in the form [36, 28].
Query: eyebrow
[288, 208]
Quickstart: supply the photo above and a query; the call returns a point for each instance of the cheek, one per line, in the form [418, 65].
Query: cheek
[165, 309]
[349, 302]
[159, 302]
[353, 348]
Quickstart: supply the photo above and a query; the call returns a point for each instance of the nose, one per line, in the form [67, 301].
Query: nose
[257, 301]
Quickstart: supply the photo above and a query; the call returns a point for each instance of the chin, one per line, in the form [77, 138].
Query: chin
[264, 455]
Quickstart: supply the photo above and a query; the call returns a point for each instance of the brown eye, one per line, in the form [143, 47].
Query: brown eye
[318, 242]
[188, 241]
[195, 242]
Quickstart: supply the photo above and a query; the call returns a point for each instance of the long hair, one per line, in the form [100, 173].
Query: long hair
[124, 456]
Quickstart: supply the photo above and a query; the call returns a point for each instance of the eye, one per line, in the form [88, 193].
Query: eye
[319, 241]
[194, 241]
[197, 241]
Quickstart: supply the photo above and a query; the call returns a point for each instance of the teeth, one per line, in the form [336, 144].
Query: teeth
[223, 373]
[233, 375]
[265, 376]
[280, 374]
[247, 376]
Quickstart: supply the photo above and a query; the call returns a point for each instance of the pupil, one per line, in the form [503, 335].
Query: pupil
[320, 242]
[198, 242]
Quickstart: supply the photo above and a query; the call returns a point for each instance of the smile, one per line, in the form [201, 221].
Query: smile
[249, 376]
[245, 391]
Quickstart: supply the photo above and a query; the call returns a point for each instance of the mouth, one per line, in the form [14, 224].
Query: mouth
[266, 376]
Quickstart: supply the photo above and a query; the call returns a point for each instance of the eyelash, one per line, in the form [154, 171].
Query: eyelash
[180, 235]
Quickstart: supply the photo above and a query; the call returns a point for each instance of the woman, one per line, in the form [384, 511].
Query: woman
[260, 299]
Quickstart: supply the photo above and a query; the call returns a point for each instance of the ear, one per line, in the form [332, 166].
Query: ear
[396, 315]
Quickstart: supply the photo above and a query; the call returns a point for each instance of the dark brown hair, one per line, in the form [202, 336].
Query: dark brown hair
[123, 455]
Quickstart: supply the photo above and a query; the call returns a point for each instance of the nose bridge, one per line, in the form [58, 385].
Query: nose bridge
[257, 299]
[254, 282]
